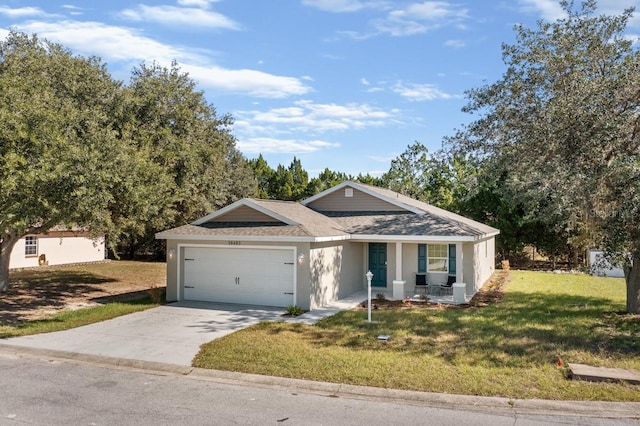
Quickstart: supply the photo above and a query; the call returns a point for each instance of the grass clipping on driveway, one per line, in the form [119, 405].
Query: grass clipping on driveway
[509, 349]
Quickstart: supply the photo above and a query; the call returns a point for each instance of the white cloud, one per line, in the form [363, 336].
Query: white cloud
[633, 38]
[245, 81]
[307, 117]
[124, 44]
[551, 10]
[455, 43]
[419, 18]
[180, 16]
[109, 42]
[342, 6]
[73, 10]
[364, 81]
[433, 10]
[22, 12]
[616, 7]
[548, 9]
[420, 92]
[282, 146]
[3, 33]
[203, 4]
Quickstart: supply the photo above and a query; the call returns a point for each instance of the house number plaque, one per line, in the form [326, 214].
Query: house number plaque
[234, 243]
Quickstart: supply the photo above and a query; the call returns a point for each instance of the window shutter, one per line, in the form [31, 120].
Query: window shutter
[452, 259]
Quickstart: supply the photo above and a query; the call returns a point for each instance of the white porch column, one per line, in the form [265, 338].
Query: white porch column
[398, 283]
[459, 288]
[459, 263]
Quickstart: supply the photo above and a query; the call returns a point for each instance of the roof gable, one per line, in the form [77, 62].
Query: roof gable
[355, 197]
[246, 210]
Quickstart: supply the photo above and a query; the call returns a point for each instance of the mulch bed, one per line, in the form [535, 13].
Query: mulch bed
[491, 292]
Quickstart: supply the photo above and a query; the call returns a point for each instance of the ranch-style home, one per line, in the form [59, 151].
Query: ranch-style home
[281, 253]
[59, 246]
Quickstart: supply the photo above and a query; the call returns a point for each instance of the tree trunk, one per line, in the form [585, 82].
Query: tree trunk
[632, 277]
[6, 245]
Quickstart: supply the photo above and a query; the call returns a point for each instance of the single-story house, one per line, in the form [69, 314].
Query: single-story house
[59, 246]
[600, 266]
[280, 253]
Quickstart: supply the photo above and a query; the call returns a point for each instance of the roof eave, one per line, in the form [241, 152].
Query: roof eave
[262, 238]
[413, 238]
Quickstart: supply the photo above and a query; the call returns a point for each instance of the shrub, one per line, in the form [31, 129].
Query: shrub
[294, 310]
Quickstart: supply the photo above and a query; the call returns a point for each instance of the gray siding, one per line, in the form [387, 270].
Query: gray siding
[244, 214]
[338, 202]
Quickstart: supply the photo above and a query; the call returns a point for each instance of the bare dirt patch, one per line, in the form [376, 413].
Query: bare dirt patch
[40, 292]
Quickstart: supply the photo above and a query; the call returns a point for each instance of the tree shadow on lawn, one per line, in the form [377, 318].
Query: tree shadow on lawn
[526, 328]
[33, 291]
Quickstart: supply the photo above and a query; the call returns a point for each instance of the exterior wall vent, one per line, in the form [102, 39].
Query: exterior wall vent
[348, 192]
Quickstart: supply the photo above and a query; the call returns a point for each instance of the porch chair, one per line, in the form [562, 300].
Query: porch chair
[448, 286]
[421, 283]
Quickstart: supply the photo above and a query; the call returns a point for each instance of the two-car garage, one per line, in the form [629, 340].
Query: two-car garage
[239, 274]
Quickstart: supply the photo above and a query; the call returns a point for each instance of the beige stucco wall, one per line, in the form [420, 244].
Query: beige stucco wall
[484, 261]
[175, 292]
[479, 263]
[335, 271]
[59, 250]
[468, 269]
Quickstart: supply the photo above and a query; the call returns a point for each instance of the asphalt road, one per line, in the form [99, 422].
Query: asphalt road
[46, 392]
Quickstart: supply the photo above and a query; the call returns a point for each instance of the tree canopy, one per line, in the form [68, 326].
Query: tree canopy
[562, 123]
[79, 149]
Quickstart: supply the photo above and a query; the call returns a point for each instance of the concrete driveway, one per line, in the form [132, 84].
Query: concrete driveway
[169, 334]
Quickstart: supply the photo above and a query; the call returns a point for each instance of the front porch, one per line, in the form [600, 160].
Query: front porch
[397, 266]
[445, 299]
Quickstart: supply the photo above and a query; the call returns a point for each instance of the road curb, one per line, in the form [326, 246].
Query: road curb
[488, 404]
[96, 359]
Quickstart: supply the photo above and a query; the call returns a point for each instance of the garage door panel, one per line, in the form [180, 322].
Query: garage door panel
[247, 276]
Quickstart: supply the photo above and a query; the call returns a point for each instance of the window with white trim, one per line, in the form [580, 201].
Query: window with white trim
[30, 246]
[438, 258]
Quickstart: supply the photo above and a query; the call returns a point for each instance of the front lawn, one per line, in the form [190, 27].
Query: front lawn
[506, 349]
[65, 320]
[57, 298]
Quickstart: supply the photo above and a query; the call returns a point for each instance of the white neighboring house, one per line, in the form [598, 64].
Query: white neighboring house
[57, 247]
[602, 267]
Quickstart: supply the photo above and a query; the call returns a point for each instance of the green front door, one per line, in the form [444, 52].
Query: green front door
[378, 264]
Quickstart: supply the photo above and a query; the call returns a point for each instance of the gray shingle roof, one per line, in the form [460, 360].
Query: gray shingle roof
[305, 223]
[403, 224]
[436, 215]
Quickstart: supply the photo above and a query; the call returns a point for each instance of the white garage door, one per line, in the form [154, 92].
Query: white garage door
[239, 275]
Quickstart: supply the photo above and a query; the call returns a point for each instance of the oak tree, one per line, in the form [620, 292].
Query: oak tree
[564, 121]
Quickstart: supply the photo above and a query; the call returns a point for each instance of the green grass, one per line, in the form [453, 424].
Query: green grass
[507, 349]
[34, 292]
[70, 319]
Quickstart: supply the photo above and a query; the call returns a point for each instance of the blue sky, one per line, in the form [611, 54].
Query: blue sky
[343, 84]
